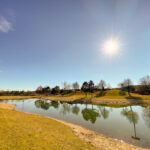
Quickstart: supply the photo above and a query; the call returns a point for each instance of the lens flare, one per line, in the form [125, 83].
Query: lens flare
[111, 46]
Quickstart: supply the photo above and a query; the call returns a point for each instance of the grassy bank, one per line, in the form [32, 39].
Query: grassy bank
[18, 97]
[114, 98]
[110, 97]
[7, 106]
[109, 94]
[20, 131]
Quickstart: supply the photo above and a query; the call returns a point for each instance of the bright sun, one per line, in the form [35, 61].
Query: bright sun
[111, 46]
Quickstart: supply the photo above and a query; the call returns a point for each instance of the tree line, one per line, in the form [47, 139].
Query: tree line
[126, 85]
[74, 87]
[142, 88]
[88, 87]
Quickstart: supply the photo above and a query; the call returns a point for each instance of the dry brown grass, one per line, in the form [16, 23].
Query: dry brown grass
[22, 131]
[7, 106]
[100, 141]
[18, 97]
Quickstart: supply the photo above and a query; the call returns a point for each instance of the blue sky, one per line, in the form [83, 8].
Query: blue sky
[46, 42]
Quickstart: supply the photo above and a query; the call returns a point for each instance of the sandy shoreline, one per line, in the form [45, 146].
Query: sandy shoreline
[98, 140]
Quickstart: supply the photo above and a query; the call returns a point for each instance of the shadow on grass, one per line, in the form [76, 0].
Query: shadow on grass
[130, 98]
[68, 94]
[122, 93]
[101, 93]
[133, 97]
[134, 100]
[83, 101]
[71, 94]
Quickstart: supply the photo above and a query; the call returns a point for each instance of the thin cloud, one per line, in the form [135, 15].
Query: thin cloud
[5, 25]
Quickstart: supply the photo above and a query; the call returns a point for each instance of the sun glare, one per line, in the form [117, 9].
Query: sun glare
[111, 46]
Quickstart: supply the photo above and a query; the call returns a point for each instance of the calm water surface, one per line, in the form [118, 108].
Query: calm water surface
[130, 124]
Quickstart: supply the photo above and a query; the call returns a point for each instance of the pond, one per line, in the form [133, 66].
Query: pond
[130, 124]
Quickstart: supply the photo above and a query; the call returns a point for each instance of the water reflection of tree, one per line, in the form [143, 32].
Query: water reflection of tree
[103, 111]
[22, 104]
[130, 115]
[42, 104]
[146, 116]
[75, 110]
[90, 115]
[132, 118]
[65, 108]
[38, 103]
[46, 104]
[54, 104]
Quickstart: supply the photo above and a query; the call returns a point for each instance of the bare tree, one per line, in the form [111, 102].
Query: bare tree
[102, 85]
[109, 86]
[75, 86]
[66, 86]
[127, 83]
[121, 85]
[39, 90]
[145, 84]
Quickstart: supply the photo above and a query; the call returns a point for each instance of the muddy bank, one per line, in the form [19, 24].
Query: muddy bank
[113, 102]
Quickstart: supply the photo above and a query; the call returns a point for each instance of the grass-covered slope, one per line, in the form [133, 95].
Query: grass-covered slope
[21, 131]
[109, 94]
[117, 94]
[18, 97]
[113, 94]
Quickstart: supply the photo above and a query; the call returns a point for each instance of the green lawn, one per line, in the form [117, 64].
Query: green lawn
[21, 131]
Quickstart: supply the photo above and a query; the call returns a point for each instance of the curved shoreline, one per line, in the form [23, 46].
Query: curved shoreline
[96, 139]
[7, 106]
